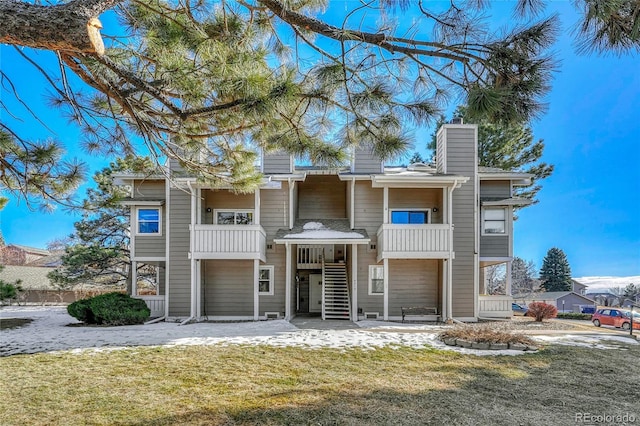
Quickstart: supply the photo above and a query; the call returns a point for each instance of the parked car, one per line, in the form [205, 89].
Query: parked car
[587, 309]
[616, 317]
[519, 309]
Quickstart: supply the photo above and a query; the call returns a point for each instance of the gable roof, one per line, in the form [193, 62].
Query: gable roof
[32, 277]
[550, 295]
[27, 249]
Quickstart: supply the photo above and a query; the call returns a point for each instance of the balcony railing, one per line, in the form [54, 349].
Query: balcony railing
[229, 242]
[405, 241]
[498, 306]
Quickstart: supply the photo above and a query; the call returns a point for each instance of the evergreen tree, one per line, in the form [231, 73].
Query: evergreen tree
[98, 251]
[555, 274]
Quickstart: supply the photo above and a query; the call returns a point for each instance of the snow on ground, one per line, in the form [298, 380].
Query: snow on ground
[53, 329]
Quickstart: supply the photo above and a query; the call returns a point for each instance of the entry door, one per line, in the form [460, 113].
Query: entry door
[315, 293]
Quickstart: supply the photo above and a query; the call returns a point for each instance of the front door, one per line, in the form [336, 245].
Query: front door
[315, 293]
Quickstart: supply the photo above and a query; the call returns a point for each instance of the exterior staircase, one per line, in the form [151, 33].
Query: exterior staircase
[336, 303]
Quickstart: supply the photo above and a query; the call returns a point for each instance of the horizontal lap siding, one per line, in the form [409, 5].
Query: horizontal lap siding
[494, 246]
[495, 189]
[461, 159]
[224, 199]
[179, 263]
[368, 207]
[276, 303]
[277, 162]
[412, 283]
[417, 198]
[366, 302]
[274, 209]
[228, 287]
[322, 197]
[366, 162]
[147, 245]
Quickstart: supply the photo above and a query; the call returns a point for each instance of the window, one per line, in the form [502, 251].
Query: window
[410, 216]
[148, 221]
[265, 280]
[376, 279]
[234, 217]
[494, 222]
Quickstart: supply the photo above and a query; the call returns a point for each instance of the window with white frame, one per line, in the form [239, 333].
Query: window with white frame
[233, 217]
[265, 280]
[376, 280]
[410, 216]
[494, 221]
[148, 221]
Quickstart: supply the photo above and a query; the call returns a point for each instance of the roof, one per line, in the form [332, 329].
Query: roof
[34, 250]
[32, 277]
[322, 230]
[550, 295]
[51, 261]
[502, 201]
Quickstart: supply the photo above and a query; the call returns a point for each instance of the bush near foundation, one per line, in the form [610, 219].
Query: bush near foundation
[110, 309]
[574, 315]
[542, 311]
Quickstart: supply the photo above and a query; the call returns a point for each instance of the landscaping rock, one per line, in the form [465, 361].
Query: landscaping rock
[532, 348]
[517, 347]
[480, 345]
[499, 346]
[451, 341]
[463, 343]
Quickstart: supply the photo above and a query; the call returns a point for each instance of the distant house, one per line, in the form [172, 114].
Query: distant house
[14, 254]
[565, 301]
[579, 288]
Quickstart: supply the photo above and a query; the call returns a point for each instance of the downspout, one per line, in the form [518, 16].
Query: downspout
[450, 260]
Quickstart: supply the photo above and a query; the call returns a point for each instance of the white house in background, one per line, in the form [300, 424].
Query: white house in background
[362, 242]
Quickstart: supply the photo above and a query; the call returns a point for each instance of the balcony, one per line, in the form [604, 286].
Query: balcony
[428, 241]
[498, 306]
[229, 242]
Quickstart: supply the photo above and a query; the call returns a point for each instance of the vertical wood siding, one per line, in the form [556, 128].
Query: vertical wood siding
[322, 197]
[228, 287]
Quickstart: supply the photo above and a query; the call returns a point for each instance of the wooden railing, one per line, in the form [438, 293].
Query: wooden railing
[430, 241]
[495, 306]
[155, 304]
[310, 257]
[229, 242]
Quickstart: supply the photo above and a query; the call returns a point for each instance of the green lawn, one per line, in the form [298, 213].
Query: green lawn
[211, 385]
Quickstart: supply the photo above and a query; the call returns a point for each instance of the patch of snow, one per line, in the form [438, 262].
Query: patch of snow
[589, 341]
[316, 230]
[53, 329]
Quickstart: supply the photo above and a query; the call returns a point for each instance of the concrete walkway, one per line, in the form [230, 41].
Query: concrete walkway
[317, 323]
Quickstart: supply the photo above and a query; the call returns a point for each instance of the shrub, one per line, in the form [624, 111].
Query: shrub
[574, 315]
[541, 311]
[485, 334]
[9, 291]
[110, 309]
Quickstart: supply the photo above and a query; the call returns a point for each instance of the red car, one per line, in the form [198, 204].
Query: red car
[616, 317]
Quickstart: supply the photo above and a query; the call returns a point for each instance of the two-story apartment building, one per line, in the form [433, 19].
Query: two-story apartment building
[357, 243]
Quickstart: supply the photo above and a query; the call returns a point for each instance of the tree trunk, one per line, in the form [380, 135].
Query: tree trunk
[61, 27]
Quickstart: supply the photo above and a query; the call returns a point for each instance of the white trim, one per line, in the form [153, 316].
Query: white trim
[494, 234]
[354, 282]
[370, 282]
[256, 289]
[167, 193]
[271, 270]
[256, 207]
[148, 259]
[141, 202]
[288, 284]
[385, 300]
[426, 209]
[136, 232]
[322, 241]
[235, 212]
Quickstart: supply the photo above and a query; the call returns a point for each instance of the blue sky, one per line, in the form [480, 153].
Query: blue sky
[589, 207]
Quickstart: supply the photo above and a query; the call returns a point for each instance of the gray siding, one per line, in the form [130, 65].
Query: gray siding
[413, 282]
[276, 303]
[461, 154]
[322, 197]
[495, 189]
[367, 303]
[224, 199]
[274, 209]
[494, 246]
[364, 161]
[368, 207]
[150, 245]
[420, 198]
[179, 263]
[276, 162]
[151, 189]
[227, 287]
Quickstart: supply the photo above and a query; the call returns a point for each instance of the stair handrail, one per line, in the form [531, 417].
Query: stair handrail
[323, 291]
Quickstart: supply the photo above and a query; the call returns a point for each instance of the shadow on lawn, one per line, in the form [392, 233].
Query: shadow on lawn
[542, 389]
